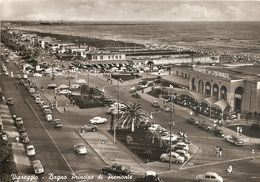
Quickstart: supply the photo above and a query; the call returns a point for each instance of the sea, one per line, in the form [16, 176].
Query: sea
[221, 37]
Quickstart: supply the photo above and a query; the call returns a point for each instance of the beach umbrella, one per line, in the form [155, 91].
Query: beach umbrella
[81, 81]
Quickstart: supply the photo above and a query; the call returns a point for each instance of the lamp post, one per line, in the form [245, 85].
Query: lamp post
[171, 124]
[69, 77]
[114, 124]
[88, 78]
[52, 70]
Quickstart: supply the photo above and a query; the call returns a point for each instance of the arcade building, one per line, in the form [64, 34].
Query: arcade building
[215, 91]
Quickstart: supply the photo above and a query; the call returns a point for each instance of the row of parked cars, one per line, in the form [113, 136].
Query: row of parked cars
[215, 130]
[177, 147]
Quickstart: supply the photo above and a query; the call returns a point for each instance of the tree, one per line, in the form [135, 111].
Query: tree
[132, 116]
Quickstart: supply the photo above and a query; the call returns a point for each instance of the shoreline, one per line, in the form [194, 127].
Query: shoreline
[90, 41]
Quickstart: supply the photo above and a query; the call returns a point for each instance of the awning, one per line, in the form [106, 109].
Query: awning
[221, 104]
[210, 100]
[197, 96]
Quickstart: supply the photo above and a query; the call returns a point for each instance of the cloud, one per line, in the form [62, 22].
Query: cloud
[129, 10]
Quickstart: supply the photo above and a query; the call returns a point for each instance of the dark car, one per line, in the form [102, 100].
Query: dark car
[116, 169]
[10, 101]
[20, 128]
[88, 127]
[24, 137]
[136, 95]
[57, 123]
[193, 121]
[218, 133]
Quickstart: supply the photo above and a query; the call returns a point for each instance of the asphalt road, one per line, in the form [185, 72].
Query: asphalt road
[54, 147]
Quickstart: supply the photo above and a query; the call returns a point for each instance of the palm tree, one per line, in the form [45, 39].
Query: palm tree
[132, 116]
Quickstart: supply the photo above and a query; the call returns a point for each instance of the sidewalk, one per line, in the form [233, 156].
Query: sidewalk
[184, 112]
[21, 160]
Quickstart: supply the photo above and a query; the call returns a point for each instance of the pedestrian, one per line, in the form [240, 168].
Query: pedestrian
[152, 139]
[253, 153]
[217, 151]
[229, 169]
[73, 103]
[148, 155]
[240, 131]
[64, 108]
[220, 151]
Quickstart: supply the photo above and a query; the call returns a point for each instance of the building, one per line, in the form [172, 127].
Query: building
[106, 56]
[226, 88]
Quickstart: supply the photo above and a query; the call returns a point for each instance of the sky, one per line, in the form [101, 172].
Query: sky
[130, 10]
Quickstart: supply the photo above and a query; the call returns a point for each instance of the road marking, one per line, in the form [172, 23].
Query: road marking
[220, 162]
[50, 136]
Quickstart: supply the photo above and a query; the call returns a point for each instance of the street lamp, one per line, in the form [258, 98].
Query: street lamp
[114, 124]
[171, 124]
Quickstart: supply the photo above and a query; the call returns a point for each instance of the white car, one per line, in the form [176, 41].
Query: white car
[64, 92]
[30, 150]
[63, 87]
[98, 120]
[181, 146]
[37, 167]
[156, 127]
[183, 153]
[75, 86]
[234, 140]
[116, 105]
[80, 148]
[37, 75]
[170, 137]
[165, 157]
[209, 177]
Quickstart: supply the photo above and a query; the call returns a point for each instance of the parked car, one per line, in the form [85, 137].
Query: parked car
[21, 128]
[209, 177]
[4, 136]
[24, 138]
[64, 92]
[154, 127]
[218, 133]
[165, 108]
[234, 140]
[98, 120]
[176, 158]
[18, 121]
[10, 101]
[136, 95]
[57, 123]
[181, 146]
[116, 169]
[37, 167]
[183, 153]
[88, 127]
[80, 148]
[30, 150]
[132, 90]
[150, 176]
[184, 140]
[37, 100]
[52, 86]
[48, 117]
[155, 104]
[193, 121]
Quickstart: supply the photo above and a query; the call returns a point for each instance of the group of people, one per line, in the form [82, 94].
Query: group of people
[219, 151]
[182, 134]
